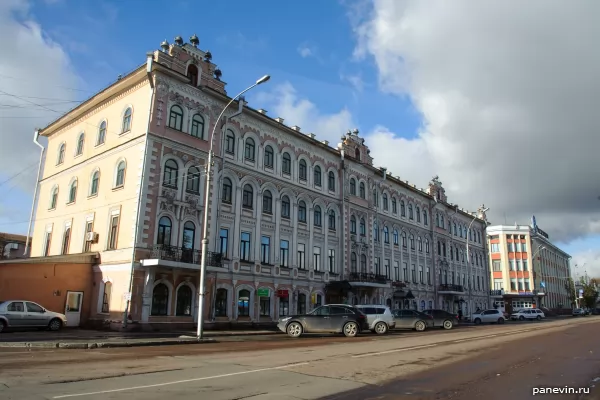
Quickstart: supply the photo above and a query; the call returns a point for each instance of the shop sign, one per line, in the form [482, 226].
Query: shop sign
[282, 293]
[263, 293]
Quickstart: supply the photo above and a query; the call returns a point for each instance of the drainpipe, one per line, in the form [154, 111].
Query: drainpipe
[36, 136]
[139, 218]
[343, 215]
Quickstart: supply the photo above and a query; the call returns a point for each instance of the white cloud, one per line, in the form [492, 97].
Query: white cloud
[355, 81]
[283, 101]
[509, 98]
[306, 51]
[586, 262]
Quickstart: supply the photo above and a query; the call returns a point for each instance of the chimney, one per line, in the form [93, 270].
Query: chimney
[279, 119]
[384, 170]
[325, 142]
[296, 128]
[260, 110]
[311, 135]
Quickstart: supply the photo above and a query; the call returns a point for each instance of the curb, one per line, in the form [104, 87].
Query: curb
[98, 345]
[242, 333]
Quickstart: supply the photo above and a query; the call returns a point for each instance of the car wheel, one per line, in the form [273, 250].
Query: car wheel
[539, 318]
[420, 326]
[55, 324]
[477, 321]
[521, 318]
[294, 329]
[350, 329]
[2, 326]
[500, 320]
[381, 328]
[448, 324]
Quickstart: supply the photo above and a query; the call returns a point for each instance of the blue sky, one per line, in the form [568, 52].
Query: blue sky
[310, 53]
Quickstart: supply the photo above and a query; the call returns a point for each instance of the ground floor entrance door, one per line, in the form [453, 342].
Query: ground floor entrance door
[73, 308]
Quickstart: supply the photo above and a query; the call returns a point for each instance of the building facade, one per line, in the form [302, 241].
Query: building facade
[13, 246]
[293, 222]
[528, 271]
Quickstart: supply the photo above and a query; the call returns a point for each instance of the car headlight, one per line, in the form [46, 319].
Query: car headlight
[285, 319]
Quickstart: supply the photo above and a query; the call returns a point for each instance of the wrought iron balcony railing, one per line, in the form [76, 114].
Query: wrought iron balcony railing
[496, 292]
[448, 287]
[185, 255]
[368, 278]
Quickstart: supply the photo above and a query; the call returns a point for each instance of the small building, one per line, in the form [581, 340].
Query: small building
[12, 246]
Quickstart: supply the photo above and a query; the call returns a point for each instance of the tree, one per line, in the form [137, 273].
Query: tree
[571, 293]
[590, 293]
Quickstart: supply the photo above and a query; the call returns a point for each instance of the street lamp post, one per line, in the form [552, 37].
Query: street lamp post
[206, 201]
[482, 210]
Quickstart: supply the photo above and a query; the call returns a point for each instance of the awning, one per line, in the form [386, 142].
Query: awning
[399, 294]
[338, 286]
[409, 295]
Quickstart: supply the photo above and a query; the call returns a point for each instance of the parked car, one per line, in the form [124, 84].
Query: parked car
[579, 312]
[442, 318]
[488, 316]
[528, 313]
[27, 314]
[332, 318]
[379, 317]
[412, 319]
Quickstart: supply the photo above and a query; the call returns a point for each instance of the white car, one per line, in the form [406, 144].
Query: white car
[379, 317]
[488, 316]
[528, 313]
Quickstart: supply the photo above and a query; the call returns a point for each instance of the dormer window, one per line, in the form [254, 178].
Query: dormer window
[357, 154]
[192, 73]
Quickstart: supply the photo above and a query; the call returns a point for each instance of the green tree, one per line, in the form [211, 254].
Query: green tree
[590, 293]
[571, 293]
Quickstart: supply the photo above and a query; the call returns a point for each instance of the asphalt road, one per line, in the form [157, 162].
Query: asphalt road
[490, 361]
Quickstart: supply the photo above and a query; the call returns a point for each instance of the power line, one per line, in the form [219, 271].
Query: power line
[17, 174]
[63, 87]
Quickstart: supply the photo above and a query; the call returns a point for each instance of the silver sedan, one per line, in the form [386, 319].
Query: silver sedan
[27, 314]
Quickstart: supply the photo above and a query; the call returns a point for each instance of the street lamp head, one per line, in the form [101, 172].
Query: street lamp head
[486, 209]
[263, 79]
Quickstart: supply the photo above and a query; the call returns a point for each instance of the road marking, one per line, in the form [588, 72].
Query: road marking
[394, 351]
[182, 381]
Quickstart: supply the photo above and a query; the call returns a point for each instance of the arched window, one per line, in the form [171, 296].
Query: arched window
[53, 198]
[285, 207]
[455, 230]
[363, 193]
[331, 181]
[425, 220]
[127, 120]
[286, 166]
[170, 174]
[385, 202]
[184, 301]
[353, 262]
[357, 154]
[402, 208]
[164, 231]
[189, 235]
[66, 241]
[410, 211]
[394, 206]
[363, 227]
[193, 180]
[230, 142]
[269, 157]
[427, 246]
[80, 142]
[73, 191]
[221, 303]
[95, 183]
[420, 243]
[331, 220]
[192, 73]
[249, 149]
[244, 303]
[176, 118]
[226, 194]
[160, 300]
[363, 263]
[317, 216]
[120, 178]
[267, 202]
[101, 133]
[386, 234]
[197, 126]
[302, 169]
[403, 239]
[301, 304]
[396, 237]
[353, 224]
[412, 242]
[61, 154]
[248, 197]
[418, 213]
[317, 176]
[353, 186]
[106, 297]
[302, 211]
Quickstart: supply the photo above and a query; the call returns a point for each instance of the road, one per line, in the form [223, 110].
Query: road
[466, 363]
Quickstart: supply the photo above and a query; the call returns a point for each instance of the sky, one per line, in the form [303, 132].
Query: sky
[500, 102]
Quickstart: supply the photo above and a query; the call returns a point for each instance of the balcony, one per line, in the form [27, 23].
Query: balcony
[447, 288]
[174, 254]
[497, 293]
[363, 279]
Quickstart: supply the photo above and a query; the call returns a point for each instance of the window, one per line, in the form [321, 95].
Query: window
[317, 176]
[249, 149]
[284, 306]
[428, 276]
[267, 202]
[265, 250]
[230, 142]
[184, 301]
[511, 264]
[413, 271]
[396, 271]
[496, 267]
[302, 211]
[301, 256]
[285, 207]
[170, 174]
[421, 278]
[363, 263]
[189, 238]
[353, 262]
[226, 190]
[286, 166]
[245, 246]
[101, 134]
[80, 143]
[66, 241]
[164, 231]
[394, 206]
[193, 180]
[192, 73]
[269, 157]
[160, 299]
[127, 120]
[176, 118]
[375, 232]
[197, 126]
[427, 246]
[357, 154]
[73, 192]
[495, 248]
[405, 272]
[331, 257]
[396, 237]
[317, 216]
[425, 220]
[61, 154]
[410, 211]
[385, 202]
[47, 242]
[402, 208]
[412, 242]
[106, 297]
[353, 224]
[363, 227]
[223, 242]
[386, 234]
[248, 197]
[331, 181]
[87, 244]
[114, 230]
[375, 198]
[420, 243]
[94, 184]
[284, 253]
[524, 247]
[403, 239]
[317, 258]
[525, 267]
[331, 220]
[302, 170]
[221, 303]
[265, 306]
[120, 178]
[53, 198]
[301, 305]
[388, 273]
[362, 190]
[353, 186]
[243, 303]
